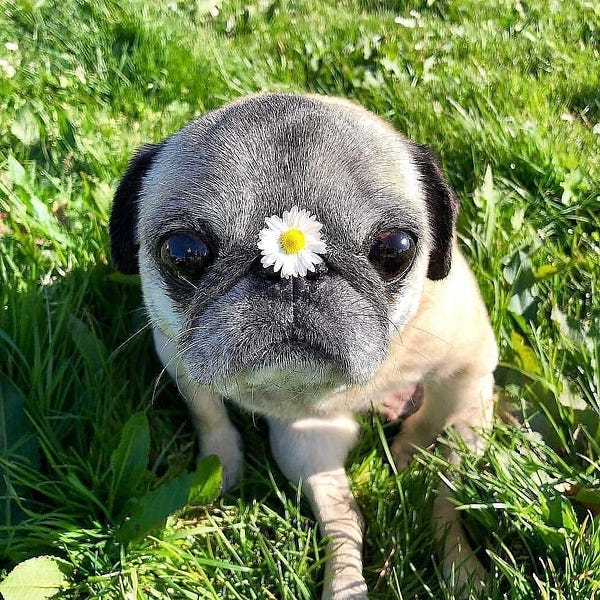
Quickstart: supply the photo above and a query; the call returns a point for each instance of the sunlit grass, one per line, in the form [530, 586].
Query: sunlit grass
[506, 92]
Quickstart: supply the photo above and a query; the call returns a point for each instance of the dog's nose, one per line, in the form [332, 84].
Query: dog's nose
[264, 272]
[320, 270]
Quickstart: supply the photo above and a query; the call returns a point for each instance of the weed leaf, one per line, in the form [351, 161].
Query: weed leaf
[129, 460]
[571, 186]
[17, 437]
[527, 356]
[561, 514]
[205, 482]
[590, 498]
[17, 172]
[90, 347]
[15, 427]
[36, 579]
[25, 127]
[573, 333]
[519, 274]
[570, 397]
[152, 509]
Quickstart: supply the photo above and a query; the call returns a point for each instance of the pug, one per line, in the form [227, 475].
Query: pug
[298, 257]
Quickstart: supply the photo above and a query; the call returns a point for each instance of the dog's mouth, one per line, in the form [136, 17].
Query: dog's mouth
[293, 365]
[283, 392]
[291, 353]
[289, 374]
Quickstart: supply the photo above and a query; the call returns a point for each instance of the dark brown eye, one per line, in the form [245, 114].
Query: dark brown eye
[186, 255]
[393, 253]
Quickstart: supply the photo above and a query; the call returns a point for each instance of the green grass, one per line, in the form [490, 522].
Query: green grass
[508, 94]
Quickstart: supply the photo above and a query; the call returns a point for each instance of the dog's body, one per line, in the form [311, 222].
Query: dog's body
[309, 352]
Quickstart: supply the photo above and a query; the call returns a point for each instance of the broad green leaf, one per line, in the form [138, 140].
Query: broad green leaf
[529, 361]
[561, 514]
[571, 397]
[524, 301]
[26, 127]
[17, 435]
[545, 271]
[519, 274]
[518, 218]
[551, 537]
[17, 172]
[41, 213]
[570, 186]
[88, 344]
[130, 458]
[12, 417]
[152, 509]
[571, 331]
[205, 482]
[487, 197]
[36, 579]
[590, 497]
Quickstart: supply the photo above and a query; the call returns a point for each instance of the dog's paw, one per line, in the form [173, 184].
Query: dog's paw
[226, 444]
[345, 590]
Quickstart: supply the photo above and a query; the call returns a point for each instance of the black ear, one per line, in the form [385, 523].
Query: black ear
[442, 208]
[124, 215]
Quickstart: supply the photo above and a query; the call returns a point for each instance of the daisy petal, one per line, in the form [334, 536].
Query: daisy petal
[292, 259]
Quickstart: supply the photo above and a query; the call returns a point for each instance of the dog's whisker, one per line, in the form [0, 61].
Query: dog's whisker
[130, 338]
[156, 384]
[429, 333]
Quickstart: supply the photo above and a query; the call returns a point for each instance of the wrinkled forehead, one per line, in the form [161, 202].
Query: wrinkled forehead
[257, 158]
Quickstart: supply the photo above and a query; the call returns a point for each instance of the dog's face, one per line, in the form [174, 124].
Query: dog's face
[188, 214]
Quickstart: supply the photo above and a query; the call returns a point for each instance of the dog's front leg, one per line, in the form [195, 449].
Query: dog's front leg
[312, 452]
[216, 434]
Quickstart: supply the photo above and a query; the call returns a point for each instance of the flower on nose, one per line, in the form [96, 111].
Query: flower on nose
[292, 243]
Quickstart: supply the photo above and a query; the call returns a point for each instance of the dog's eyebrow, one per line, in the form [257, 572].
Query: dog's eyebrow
[180, 219]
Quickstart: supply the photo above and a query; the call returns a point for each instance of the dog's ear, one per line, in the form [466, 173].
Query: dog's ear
[124, 215]
[442, 208]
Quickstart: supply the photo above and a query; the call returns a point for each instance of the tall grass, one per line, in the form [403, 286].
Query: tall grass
[505, 91]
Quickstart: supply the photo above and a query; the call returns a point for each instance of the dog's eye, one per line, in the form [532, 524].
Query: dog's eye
[393, 253]
[186, 255]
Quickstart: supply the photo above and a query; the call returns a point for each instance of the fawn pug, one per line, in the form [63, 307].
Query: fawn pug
[298, 257]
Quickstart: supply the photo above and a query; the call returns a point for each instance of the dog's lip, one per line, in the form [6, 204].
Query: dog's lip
[294, 357]
[301, 351]
[291, 357]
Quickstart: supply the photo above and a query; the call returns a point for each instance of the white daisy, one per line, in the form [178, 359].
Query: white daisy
[292, 244]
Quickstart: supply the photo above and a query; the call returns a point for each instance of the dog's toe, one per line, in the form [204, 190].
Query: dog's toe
[226, 444]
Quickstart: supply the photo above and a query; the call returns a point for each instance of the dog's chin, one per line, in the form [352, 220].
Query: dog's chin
[283, 392]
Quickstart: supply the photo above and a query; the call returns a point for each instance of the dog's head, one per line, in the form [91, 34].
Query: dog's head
[188, 213]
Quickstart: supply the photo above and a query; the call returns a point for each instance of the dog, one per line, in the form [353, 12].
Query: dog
[367, 303]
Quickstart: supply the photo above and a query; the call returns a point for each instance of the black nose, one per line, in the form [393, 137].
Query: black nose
[264, 272]
[269, 273]
[320, 270]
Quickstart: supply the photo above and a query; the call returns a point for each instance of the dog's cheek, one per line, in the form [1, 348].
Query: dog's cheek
[406, 301]
[162, 311]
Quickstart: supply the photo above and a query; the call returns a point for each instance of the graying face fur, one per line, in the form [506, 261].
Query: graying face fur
[243, 329]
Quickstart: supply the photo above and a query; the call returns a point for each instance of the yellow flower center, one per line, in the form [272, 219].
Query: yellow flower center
[292, 241]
